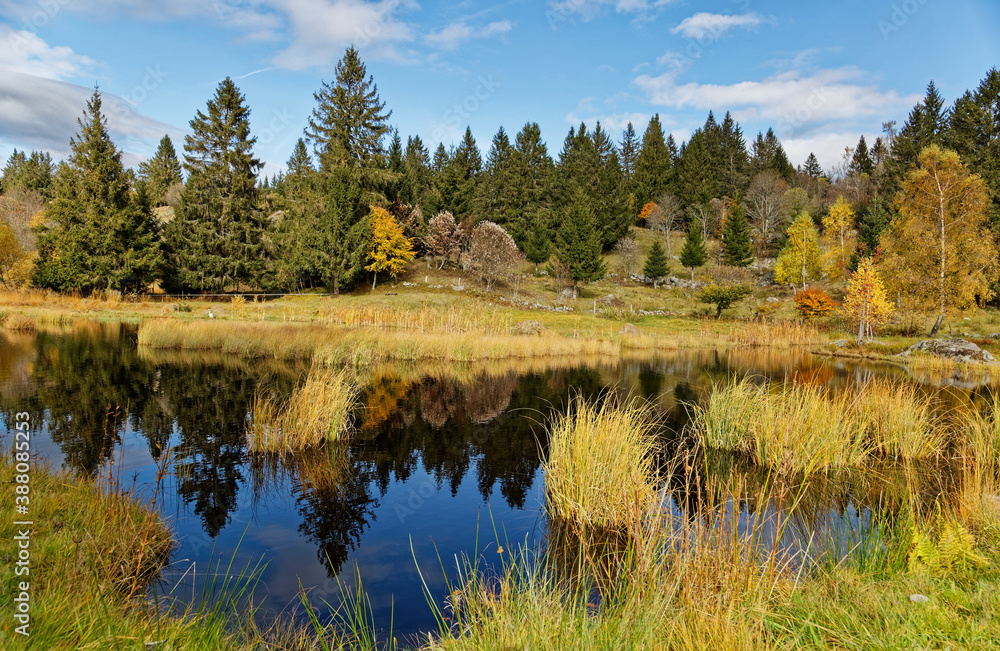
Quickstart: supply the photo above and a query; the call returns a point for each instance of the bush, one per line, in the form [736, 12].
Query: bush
[723, 296]
[814, 302]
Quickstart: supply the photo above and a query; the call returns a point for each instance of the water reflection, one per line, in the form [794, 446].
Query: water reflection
[434, 447]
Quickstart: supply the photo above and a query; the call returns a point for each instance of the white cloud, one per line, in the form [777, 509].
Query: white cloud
[704, 24]
[589, 9]
[797, 104]
[41, 113]
[24, 52]
[828, 147]
[450, 37]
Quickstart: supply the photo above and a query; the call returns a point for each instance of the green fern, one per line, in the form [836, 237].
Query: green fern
[954, 548]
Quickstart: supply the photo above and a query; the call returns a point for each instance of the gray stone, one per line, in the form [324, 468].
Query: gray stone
[629, 329]
[527, 328]
[772, 299]
[958, 350]
[566, 294]
[840, 343]
[919, 598]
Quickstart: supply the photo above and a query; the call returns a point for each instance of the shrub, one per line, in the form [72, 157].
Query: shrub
[723, 296]
[814, 302]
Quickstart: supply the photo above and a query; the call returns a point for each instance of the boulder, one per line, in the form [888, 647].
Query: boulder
[567, 294]
[629, 329]
[527, 328]
[958, 350]
[772, 299]
[610, 300]
[840, 343]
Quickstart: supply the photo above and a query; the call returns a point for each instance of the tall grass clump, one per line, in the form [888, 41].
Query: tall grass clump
[600, 469]
[980, 431]
[775, 334]
[319, 410]
[899, 420]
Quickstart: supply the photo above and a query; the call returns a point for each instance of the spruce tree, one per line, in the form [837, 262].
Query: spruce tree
[768, 154]
[925, 126]
[861, 162]
[348, 124]
[652, 165]
[656, 267]
[732, 159]
[579, 243]
[459, 176]
[538, 248]
[34, 173]
[812, 167]
[736, 242]
[871, 224]
[694, 254]
[161, 172]
[496, 194]
[419, 177]
[219, 238]
[98, 235]
[532, 171]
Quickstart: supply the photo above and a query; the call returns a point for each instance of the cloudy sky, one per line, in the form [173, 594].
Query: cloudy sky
[821, 74]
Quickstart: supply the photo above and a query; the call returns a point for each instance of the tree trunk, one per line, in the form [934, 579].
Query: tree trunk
[374, 280]
[937, 325]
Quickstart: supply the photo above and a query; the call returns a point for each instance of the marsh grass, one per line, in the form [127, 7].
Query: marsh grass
[600, 472]
[775, 334]
[319, 410]
[15, 322]
[808, 428]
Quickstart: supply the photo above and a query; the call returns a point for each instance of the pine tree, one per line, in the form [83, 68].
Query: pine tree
[34, 173]
[768, 154]
[697, 176]
[652, 165]
[694, 254]
[656, 267]
[736, 242]
[974, 132]
[100, 236]
[348, 124]
[496, 194]
[458, 178]
[628, 152]
[925, 126]
[396, 183]
[861, 162]
[733, 159]
[871, 224]
[219, 238]
[419, 176]
[533, 172]
[161, 172]
[579, 244]
[538, 248]
[812, 167]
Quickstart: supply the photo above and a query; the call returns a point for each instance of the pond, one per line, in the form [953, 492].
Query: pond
[445, 462]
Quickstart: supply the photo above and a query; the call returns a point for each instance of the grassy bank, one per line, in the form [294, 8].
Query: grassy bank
[924, 577]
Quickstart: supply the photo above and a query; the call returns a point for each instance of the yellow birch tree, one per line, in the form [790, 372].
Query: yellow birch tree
[839, 238]
[939, 253]
[800, 259]
[390, 250]
[865, 303]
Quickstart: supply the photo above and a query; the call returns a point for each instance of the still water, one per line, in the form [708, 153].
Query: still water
[445, 462]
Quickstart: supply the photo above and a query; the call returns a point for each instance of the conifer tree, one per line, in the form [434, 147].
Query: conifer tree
[694, 254]
[347, 126]
[34, 173]
[736, 242]
[459, 176]
[874, 220]
[628, 152]
[812, 167]
[861, 162]
[219, 239]
[533, 172]
[768, 154]
[538, 248]
[419, 176]
[100, 236]
[925, 126]
[496, 192]
[656, 267]
[579, 243]
[733, 159]
[974, 132]
[652, 165]
[161, 172]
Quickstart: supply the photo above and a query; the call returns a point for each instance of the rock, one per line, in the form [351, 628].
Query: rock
[995, 335]
[566, 294]
[958, 350]
[629, 329]
[610, 300]
[919, 598]
[772, 299]
[840, 343]
[527, 328]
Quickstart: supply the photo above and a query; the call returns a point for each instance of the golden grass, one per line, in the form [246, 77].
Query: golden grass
[319, 410]
[770, 334]
[17, 323]
[425, 319]
[807, 428]
[599, 472]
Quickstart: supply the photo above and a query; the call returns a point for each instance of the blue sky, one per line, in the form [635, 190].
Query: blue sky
[821, 74]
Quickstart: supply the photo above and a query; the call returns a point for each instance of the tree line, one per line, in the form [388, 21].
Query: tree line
[356, 202]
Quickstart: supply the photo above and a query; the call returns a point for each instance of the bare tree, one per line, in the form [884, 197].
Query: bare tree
[628, 251]
[493, 252]
[443, 238]
[667, 218]
[763, 208]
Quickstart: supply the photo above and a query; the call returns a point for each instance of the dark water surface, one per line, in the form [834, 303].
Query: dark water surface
[445, 463]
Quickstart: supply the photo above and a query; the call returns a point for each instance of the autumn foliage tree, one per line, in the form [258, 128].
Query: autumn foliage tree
[839, 238]
[800, 260]
[865, 303]
[493, 252]
[390, 250]
[939, 252]
[443, 238]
